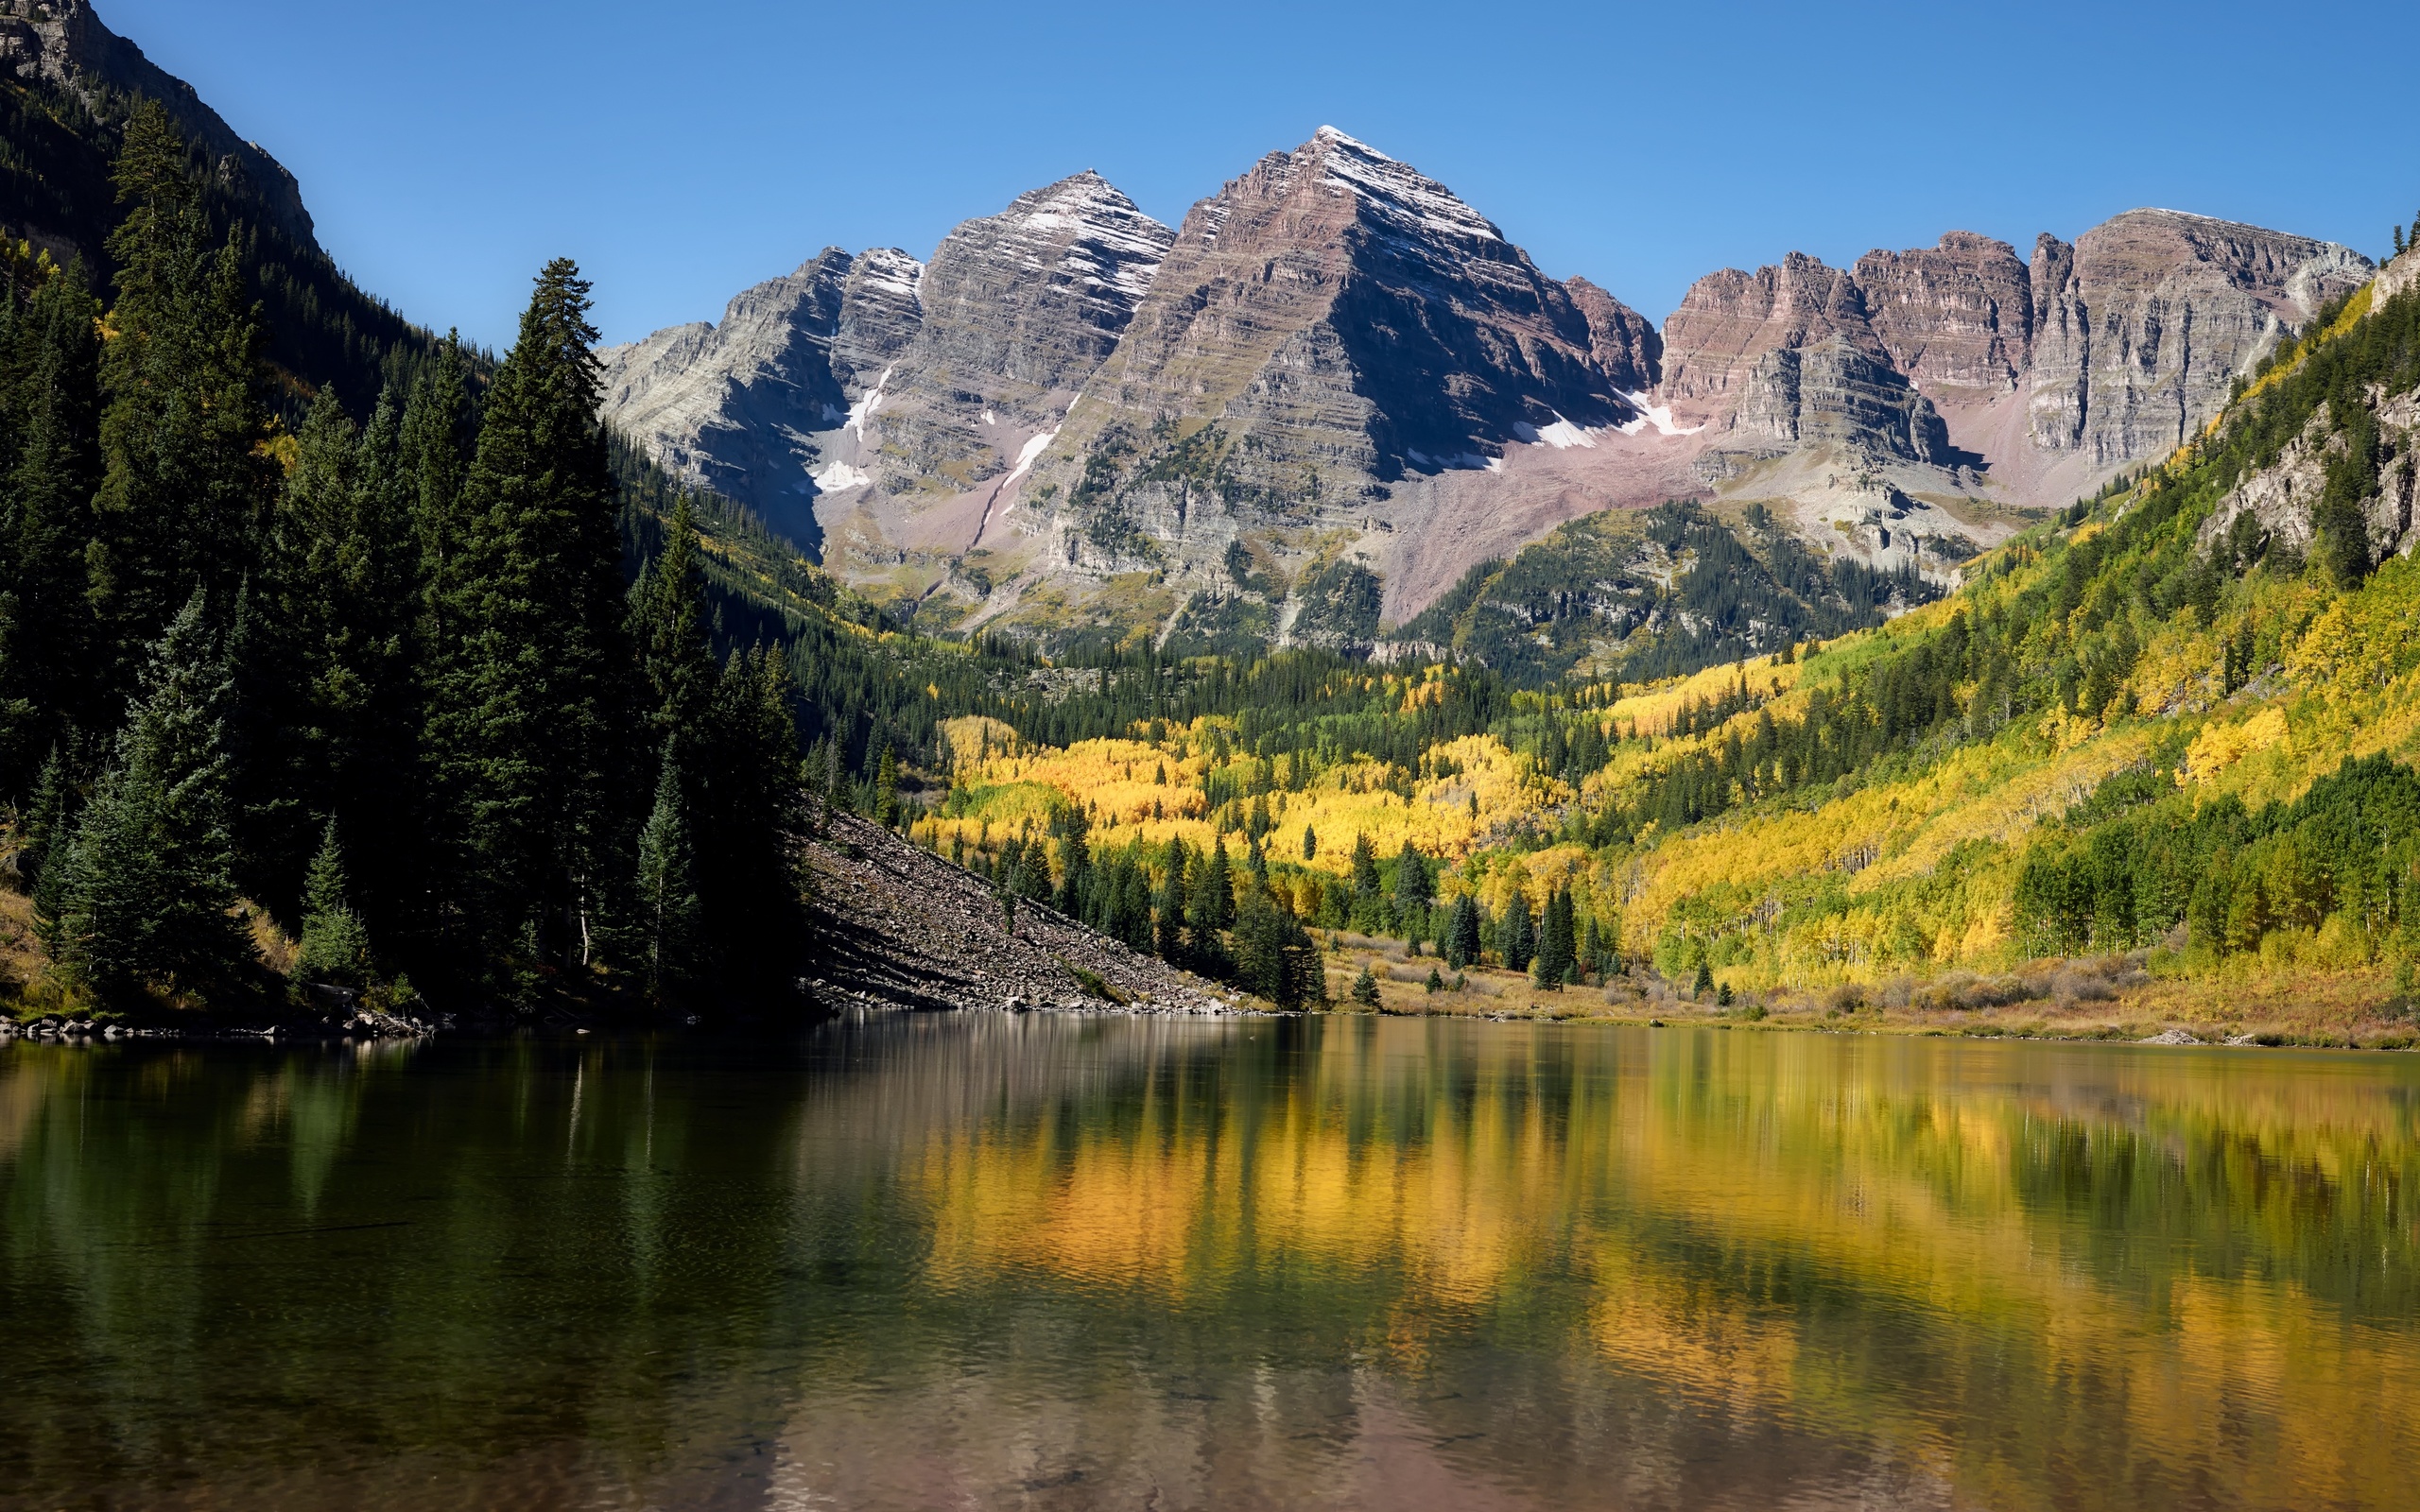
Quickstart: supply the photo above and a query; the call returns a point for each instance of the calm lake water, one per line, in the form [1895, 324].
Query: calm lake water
[982, 1260]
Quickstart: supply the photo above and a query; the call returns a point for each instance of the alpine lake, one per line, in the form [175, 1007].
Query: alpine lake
[1063, 1261]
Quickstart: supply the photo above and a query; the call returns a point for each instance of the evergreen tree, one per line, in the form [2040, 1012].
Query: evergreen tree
[150, 891]
[1260, 947]
[1462, 933]
[186, 484]
[1310, 843]
[1704, 983]
[1168, 925]
[1367, 894]
[668, 908]
[49, 465]
[886, 789]
[753, 823]
[436, 445]
[530, 697]
[1556, 955]
[49, 830]
[327, 719]
[1415, 888]
[1077, 874]
[334, 947]
[1365, 989]
[669, 624]
[1516, 941]
[1212, 907]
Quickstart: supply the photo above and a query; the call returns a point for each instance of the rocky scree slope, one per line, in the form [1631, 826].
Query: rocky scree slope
[900, 927]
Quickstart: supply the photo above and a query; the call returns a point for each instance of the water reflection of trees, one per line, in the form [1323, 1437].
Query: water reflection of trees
[1350, 1259]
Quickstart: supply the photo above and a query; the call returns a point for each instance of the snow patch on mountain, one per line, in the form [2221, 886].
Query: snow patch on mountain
[863, 409]
[1659, 415]
[1027, 453]
[1409, 203]
[834, 477]
[1563, 435]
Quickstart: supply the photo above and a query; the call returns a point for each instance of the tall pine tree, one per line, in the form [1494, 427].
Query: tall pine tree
[49, 467]
[187, 480]
[530, 702]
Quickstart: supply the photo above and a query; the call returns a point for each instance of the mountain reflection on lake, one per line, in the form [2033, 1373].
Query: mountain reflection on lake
[1050, 1261]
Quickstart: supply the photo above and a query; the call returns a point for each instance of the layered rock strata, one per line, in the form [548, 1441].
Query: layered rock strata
[2142, 326]
[877, 375]
[1019, 308]
[741, 406]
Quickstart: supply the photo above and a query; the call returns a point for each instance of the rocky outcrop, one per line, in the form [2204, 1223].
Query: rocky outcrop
[1019, 308]
[2277, 506]
[1730, 320]
[63, 42]
[2142, 326]
[1625, 343]
[741, 406]
[878, 371]
[1835, 390]
[1955, 316]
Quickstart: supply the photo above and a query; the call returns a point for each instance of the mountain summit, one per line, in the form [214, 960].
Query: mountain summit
[1337, 388]
[878, 385]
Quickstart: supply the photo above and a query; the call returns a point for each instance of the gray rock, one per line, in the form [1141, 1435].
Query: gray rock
[747, 407]
[1019, 309]
[2142, 326]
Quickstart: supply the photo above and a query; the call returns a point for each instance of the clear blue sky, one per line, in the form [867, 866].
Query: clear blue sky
[683, 150]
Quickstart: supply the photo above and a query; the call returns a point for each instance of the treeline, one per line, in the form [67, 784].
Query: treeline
[1188, 906]
[2139, 858]
[385, 682]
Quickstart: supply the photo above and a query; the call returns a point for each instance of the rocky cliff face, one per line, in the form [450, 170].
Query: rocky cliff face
[740, 406]
[1730, 320]
[2117, 346]
[1625, 343]
[878, 376]
[1019, 308]
[2143, 323]
[1789, 356]
[63, 42]
[1328, 325]
[1955, 316]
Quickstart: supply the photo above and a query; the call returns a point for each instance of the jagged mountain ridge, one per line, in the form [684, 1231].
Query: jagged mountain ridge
[869, 386]
[1336, 383]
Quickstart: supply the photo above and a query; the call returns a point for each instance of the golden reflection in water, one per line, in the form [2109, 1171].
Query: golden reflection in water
[2147, 1260]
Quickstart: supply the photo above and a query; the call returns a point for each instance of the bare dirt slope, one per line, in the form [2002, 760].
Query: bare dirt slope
[905, 929]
